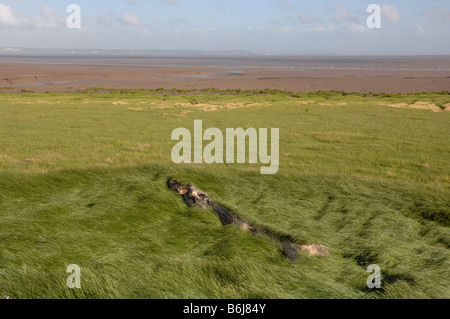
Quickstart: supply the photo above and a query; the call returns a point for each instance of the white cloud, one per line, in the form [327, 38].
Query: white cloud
[304, 17]
[285, 5]
[357, 28]
[176, 22]
[41, 23]
[47, 19]
[390, 12]
[285, 29]
[324, 29]
[421, 31]
[342, 14]
[46, 11]
[439, 14]
[7, 16]
[125, 19]
[104, 21]
[130, 19]
[288, 30]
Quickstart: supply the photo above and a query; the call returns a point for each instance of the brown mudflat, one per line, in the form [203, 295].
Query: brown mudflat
[296, 74]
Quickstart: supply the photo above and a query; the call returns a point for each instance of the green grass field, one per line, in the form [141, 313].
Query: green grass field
[83, 181]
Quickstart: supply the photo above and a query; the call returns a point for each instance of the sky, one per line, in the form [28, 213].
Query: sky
[408, 27]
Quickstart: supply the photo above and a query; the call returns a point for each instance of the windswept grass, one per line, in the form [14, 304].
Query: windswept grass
[82, 181]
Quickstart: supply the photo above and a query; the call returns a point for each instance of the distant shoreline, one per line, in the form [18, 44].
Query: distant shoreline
[288, 62]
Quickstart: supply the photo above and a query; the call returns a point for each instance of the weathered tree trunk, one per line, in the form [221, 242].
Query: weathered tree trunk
[192, 196]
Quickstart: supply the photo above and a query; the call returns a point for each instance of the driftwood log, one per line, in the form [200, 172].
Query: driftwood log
[192, 196]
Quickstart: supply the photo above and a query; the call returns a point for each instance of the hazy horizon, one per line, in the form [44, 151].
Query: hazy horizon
[183, 52]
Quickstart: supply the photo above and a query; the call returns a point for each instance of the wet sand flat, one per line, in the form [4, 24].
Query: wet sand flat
[297, 74]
